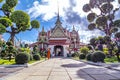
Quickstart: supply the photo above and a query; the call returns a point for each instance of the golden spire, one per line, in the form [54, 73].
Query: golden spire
[43, 29]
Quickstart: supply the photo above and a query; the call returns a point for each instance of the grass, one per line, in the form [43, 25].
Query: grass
[30, 62]
[75, 58]
[7, 62]
[111, 60]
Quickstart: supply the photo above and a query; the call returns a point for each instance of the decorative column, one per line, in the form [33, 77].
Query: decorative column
[74, 45]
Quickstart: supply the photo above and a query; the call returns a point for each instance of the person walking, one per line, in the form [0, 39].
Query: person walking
[48, 54]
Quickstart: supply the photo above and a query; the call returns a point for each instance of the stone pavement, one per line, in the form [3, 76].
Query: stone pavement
[64, 69]
[5, 70]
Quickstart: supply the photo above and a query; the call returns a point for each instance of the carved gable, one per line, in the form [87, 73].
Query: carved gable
[58, 33]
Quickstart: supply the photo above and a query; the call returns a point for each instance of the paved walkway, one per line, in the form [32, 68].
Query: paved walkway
[8, 70]
[64, 69]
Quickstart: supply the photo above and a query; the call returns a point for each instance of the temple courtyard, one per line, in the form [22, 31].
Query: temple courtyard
[60, 69]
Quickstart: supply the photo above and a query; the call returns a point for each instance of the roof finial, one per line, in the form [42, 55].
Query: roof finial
[43, 29]
[73, 27]
[58, 22]
[58, 9]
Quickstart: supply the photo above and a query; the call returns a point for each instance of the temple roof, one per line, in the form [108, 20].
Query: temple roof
[58, 32]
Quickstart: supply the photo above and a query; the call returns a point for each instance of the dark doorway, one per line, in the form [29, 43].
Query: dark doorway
[58, 50]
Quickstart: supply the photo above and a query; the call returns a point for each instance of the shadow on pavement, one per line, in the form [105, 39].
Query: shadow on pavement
[98, 74]
[73, 65]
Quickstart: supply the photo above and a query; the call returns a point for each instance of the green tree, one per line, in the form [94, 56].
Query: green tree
[35, 49]
[105, 20]
[84, 50]
[117, 35]
[101, 40]
[93, 42]
[1, 1]
[17, 21]
[1, 43]
[10, 50]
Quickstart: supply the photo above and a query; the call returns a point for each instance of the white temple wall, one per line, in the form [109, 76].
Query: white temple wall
[51, 48]
[65, 50]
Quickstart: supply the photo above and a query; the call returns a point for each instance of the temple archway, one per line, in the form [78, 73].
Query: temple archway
[58, 50]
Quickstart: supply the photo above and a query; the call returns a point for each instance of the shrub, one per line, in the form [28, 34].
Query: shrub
[22, 58]
[3, 53]
[36, 57]
[75, 54]
[9, 43]
[15, 53]
[82, 56]
[98, 56]
[43, 54]
[88, 56]
[31, 57]
[105, 50]
[26, 50]
[84, 50]
[115, 50]
[89, 47]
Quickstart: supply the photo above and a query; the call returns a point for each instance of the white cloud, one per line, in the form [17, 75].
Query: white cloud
[85, 36]
[17, 43]
[19, 2]
[48, 8]
[27, 41]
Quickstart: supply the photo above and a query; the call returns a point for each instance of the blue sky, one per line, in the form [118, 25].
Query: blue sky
[45, 11]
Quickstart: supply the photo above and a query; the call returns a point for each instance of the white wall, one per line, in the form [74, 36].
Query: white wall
[51, 48]
[65, 50]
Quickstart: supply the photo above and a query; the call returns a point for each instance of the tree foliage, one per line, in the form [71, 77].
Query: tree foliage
[2, 29]
[17, 21]
[1, 43]
[1, 1]
[93, 42]
[6, 22]
[6, 8]
[8, 50]
[91, 26]
[20, 18]
[12, 3]
[117, 35]
[35, 24]
[105, 20]
[91, 17]
[84, 50]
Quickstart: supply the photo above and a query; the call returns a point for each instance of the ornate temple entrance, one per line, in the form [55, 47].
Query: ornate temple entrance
[58, 50]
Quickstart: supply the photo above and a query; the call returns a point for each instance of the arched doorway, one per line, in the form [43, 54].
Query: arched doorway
[58, 50]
